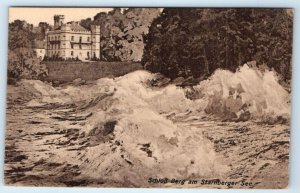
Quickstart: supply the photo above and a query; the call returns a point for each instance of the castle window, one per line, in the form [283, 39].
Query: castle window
[80, 47]
[72, 46]
[58, 46]
[88, 39]
[72, 38]
[72, 53]
[88, 55]
[80, 39]
[55, 37]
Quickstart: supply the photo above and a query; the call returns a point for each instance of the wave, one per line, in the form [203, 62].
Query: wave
[137, 125]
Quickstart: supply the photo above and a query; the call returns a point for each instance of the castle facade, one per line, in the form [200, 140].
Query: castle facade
[71, 40]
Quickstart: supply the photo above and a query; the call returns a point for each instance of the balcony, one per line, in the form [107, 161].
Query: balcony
[80, 42]
[54, 41]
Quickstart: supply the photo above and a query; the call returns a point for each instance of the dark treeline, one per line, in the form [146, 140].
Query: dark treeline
[195, 42]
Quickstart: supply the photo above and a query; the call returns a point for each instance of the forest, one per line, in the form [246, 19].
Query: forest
[195, 42]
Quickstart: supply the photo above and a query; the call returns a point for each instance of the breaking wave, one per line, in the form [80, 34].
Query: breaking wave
[135, 124]
[246, 94]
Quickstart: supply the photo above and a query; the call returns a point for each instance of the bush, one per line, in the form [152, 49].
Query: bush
[23, 63]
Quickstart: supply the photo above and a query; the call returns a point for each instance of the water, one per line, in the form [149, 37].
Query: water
[122, 131]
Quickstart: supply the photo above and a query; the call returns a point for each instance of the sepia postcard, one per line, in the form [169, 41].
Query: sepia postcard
[149, 97]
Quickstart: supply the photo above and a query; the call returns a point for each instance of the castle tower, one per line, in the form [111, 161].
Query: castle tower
[95, 35]
[58, 20]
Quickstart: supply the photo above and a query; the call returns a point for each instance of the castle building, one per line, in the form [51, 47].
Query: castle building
[71, 40]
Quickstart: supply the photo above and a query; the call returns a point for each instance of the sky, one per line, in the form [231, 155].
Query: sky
[36, 15]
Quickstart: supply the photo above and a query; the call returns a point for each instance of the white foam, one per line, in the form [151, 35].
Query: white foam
[177, 150]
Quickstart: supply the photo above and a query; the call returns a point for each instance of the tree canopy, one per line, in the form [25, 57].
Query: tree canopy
[22, 60]
[122, 32]
[195, 42]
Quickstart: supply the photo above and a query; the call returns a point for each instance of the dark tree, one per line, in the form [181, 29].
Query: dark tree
[22, 60]
[44, 26]
[122, 32]
[20, 35]
[86, 23]
[195, 42]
